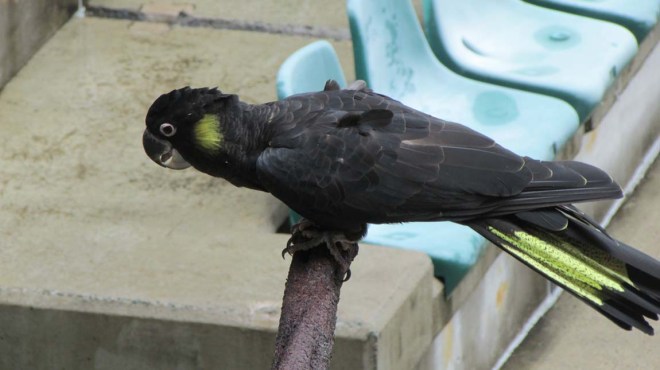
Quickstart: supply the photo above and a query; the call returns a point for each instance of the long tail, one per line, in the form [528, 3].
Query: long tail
[569, 248]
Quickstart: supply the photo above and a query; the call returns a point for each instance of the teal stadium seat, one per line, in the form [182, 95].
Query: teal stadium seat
[308, 68]
[639, 16]
[393, 56]
[521, 45]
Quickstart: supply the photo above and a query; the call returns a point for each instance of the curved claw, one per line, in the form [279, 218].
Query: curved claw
[347, 276]
[287, 249]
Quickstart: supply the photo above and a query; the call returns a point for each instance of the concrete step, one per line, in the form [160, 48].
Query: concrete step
[108, 261]
[329, 16]
[24, 27]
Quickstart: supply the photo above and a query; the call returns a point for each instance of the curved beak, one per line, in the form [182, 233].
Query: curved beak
[161, 152]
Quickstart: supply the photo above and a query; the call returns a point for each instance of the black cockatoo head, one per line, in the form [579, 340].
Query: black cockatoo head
[184, 127]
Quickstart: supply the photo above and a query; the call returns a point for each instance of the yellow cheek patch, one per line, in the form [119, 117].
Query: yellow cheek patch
[207, 133]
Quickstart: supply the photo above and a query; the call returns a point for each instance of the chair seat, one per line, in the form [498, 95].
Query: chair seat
[393, 56]
[453, 248]
[638, 16]
[521, 45]
[308, 68]
[406, 69]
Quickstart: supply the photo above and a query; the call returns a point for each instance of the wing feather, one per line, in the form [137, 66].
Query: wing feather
[369, 157]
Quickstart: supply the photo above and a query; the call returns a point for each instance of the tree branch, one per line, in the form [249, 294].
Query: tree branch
[305, 335]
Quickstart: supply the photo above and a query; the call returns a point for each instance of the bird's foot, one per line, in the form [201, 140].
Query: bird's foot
[343, 247]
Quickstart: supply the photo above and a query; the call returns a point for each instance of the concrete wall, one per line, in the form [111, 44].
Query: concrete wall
[25, 25]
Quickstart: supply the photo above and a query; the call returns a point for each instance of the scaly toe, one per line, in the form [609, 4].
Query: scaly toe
[305, 235]
[294, 246]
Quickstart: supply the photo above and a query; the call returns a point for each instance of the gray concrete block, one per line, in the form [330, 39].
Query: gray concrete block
[329, 14]
[24, 27]
[224, 323]
[108, 261]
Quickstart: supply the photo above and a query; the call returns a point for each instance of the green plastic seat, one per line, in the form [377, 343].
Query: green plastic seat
[639, 16]
[516, 44]
[308, 68]
[393, 56]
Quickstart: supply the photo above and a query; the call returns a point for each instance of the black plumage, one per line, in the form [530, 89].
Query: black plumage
[345, 158]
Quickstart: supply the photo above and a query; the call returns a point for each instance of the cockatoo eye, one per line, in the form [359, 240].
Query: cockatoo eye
[167, 129]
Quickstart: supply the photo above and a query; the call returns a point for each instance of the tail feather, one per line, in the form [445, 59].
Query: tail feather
[625, 319]
[569, 248]
[641, 303]
[647, 281]
[622, 251]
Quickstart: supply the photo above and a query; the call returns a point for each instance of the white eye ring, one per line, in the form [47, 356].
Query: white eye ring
[167, 129]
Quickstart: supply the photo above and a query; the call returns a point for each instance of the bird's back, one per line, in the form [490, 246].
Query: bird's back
[360, 156]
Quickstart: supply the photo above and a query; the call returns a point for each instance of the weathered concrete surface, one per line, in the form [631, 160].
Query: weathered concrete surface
[299, 12]
[223, 317]
[108, 261]
[325, 19]
[489, 318]
[574, 336]
[25, 26]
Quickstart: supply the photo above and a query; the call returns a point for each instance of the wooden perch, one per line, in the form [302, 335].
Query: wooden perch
[305, 336]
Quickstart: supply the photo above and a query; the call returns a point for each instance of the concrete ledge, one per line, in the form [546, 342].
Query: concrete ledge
[298, 12]
[228, 323]
[293, 17]
[24, 27]
[108, 261]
